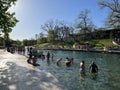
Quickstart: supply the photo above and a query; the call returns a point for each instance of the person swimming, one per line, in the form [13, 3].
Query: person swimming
[93, 68]
[82, 67]
[67, 61]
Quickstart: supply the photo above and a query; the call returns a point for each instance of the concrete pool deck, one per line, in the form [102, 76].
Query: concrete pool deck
[17, 74]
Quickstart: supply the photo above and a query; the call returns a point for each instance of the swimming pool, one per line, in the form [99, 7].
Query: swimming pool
[106, 79]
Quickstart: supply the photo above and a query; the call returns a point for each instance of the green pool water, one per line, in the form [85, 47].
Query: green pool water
[108, 77]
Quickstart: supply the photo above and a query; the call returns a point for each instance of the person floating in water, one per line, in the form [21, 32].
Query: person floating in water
[82, 67]
[67, 61]
[93, 68]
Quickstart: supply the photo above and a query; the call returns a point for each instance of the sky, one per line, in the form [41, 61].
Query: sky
[34, 13]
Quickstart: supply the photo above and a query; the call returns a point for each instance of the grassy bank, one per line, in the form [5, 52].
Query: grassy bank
[96, 43]
[102, 43]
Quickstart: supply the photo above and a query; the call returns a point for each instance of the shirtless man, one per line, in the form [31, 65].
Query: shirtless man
[82, 67]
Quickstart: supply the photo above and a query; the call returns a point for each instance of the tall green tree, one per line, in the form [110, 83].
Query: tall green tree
[41, 38]
[30, 42]
[7, 19]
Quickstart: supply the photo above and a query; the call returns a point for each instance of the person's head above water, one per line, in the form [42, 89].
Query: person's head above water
[83, 61]
[93, 62]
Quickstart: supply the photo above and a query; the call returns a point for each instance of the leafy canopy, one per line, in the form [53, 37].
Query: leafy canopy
[7, 19]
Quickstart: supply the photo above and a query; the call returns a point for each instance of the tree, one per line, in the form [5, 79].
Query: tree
[41, 38]
[57, 31]
[113, 18]
[16, 43]
[50, 27]
[63, 32]
[51, 35]
[7, 19]
[84, 24]
[30, 42]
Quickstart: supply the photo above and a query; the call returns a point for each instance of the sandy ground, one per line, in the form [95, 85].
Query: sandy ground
[17, 74]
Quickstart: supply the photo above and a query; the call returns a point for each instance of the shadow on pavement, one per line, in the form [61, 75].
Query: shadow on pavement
[22, 78]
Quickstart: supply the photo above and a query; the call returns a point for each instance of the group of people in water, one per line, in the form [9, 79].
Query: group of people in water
[93, 68]
[68, 61]
[32, 58]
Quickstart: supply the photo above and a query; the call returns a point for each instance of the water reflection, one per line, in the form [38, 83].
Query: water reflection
[82, 77]
[82, 82]
[48, 62]
[93, 76]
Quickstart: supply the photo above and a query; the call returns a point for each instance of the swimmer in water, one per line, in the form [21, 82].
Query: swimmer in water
[82, 67]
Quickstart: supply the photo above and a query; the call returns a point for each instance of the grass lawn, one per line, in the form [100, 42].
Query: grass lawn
[98, 44]
[102, 42]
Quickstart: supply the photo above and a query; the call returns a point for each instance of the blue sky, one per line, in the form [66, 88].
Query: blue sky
[34, 13]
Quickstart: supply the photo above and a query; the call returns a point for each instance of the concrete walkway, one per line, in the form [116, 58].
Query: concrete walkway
[17, 74]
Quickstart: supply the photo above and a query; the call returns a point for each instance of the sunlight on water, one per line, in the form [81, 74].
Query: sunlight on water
[106, 79]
